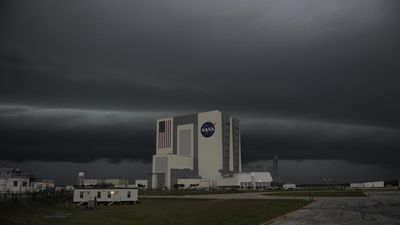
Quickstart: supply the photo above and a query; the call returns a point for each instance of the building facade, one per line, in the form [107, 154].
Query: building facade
[374, 184]
[205, 145]
[17, 181]
[202, 145]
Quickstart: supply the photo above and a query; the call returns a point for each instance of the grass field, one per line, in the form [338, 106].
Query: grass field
[187, 192]
[346, 193]
[150, 212]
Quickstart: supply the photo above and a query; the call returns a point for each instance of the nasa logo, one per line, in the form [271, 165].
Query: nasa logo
[207, 129]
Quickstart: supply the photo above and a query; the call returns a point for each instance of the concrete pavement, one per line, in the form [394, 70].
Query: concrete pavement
[379, 208]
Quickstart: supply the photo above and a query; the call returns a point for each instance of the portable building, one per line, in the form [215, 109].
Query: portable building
[114, 194]
[247, 180]
[289, 186]
[374, 184]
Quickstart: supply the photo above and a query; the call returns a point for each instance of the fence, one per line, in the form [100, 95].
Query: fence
[50, 194]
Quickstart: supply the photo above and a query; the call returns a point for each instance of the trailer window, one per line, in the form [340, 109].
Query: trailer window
[24, 184]
[98, 194]
[15, 183]
[109, 194]
[81, 194]
[129, 194]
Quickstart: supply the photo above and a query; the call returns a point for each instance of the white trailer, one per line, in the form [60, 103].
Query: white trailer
[289, 186]
[107, 195]
[374, 184]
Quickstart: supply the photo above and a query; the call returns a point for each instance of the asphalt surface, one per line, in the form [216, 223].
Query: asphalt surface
[379, 208]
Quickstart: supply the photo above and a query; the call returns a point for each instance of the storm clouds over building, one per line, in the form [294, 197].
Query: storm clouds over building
[82, 81]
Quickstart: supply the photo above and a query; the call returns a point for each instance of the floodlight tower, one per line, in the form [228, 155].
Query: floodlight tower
[275, 168]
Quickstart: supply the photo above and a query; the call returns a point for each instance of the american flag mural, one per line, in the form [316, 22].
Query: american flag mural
[165, 133]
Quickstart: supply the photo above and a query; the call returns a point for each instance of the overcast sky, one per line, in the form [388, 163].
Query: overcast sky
[82, 82]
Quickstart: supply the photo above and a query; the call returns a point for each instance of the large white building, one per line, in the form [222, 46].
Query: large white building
[202, 146]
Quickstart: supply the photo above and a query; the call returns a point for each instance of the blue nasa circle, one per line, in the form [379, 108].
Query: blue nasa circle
[207, 129]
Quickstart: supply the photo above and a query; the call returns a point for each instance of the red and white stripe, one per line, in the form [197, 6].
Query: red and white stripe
[164, 138]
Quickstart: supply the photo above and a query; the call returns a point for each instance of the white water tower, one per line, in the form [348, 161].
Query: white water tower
[81, 178]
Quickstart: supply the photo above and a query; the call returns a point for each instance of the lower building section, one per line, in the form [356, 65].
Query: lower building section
[197, 183]
[187, 179]
[168, 168]
[249, 180]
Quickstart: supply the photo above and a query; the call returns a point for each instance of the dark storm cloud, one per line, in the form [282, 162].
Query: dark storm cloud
[86, 135]
[320, 77]
[315, 140]
[74, 135]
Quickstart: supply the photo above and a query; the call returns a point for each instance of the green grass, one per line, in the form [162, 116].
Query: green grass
[318, 193]
[385, 189]
[150, 212]
[188, 192]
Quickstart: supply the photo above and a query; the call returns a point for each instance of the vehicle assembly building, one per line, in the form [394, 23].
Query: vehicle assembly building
[204, 147]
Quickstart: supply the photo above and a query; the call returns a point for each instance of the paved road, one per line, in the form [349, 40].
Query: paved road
[379, 208]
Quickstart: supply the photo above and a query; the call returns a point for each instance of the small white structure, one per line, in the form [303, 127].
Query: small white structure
[17, 181]
[81, 178]
[43, 185]
[15, 185]
[196, 183]
[249, 180]
[375, 184]
[117, 182]
[141, 184]
[357, 185]
[112, 182]
[289, 186]
[83, 195]
[14, 181]
[69, 188]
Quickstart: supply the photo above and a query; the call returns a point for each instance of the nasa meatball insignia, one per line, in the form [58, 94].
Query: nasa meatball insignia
[207, 129]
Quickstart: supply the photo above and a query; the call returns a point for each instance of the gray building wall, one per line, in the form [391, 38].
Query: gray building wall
[225, 143]
[185, 142]
[182, 120]
[181, 174]
[161, 164]
[236, 144]
[150, 180]
[161, 180]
